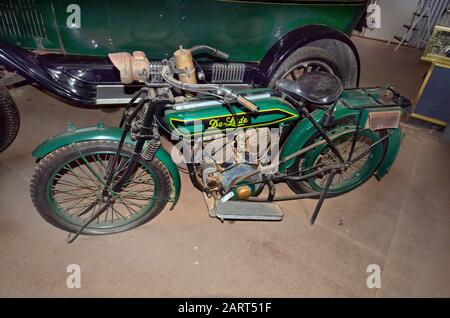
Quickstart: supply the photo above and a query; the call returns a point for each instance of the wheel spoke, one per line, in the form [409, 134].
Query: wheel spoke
[118, 212]
[129, 203]
[77, 201]
[92, 171]
[305, 67]
[75, 187]
[78, 177]
[79, 185]
[106, 214]
[79, 208]
[72, 191]
[328, 158]
[294, 77]
[100, 167]
[131, 210]
[121, 167]
[72, 198]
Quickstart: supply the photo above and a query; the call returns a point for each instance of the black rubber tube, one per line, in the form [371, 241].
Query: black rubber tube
[210, 50]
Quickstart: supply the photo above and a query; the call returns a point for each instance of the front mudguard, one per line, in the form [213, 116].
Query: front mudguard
[304, 131]
[100, 132]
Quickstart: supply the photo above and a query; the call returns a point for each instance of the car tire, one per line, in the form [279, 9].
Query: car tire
[338, 63]
[9, 119]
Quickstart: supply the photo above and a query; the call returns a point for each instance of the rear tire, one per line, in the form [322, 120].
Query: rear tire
[9, 119]
[308, 186]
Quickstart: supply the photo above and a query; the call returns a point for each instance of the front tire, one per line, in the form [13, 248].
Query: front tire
[63, 184]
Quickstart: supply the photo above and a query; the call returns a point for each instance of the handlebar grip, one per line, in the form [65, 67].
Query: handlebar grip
[247, 104]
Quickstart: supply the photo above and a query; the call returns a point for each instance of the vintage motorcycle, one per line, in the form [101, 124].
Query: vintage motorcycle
[308, 132]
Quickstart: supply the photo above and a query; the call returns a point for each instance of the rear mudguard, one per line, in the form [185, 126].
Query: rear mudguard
[100, 132]
[392, 151]
[304, 131]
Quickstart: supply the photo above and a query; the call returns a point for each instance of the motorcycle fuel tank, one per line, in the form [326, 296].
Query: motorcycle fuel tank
[208, 117]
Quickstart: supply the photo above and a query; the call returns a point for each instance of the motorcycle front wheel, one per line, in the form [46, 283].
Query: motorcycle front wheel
[72, 178]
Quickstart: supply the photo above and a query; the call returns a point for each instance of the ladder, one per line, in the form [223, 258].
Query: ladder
[445, 19]
[412, 25]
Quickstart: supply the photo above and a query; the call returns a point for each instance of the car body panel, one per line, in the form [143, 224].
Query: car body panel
[243, 29]
[62, 45]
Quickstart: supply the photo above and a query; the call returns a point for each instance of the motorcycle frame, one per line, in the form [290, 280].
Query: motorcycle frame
[156, 104]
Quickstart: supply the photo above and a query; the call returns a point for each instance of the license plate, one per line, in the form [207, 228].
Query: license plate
[384, 120]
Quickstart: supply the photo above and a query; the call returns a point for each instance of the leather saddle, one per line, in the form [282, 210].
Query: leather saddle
[319, 88]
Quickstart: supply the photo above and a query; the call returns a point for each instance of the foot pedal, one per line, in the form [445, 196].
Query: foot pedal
[210, 205]
[242, 210]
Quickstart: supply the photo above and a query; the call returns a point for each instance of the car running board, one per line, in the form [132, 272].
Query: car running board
[243, 210]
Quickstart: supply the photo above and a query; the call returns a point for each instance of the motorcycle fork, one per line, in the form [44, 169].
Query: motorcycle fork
[142, 136]
[145, 133]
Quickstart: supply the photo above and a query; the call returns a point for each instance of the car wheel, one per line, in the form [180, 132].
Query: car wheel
[9, 119]
[312, 59]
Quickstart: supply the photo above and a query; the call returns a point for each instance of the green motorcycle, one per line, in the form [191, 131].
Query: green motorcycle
[236, 146]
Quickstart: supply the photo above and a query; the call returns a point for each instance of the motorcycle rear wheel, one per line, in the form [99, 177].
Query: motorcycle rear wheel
[322, 156]
[64, 184]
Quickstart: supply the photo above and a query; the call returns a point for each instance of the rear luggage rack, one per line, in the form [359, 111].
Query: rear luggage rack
[382, 106]
[373, 97]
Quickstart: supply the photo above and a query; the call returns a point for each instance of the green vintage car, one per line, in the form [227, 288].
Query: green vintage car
[62, 45]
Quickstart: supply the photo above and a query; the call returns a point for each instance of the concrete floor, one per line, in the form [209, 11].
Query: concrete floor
[402, 224]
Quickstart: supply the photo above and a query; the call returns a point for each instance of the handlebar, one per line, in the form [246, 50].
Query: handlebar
[247, 104]
[207, 88]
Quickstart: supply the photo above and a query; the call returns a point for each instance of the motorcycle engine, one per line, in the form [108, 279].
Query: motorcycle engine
[232, 163]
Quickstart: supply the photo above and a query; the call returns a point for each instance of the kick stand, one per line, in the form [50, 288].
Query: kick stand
[323, 196]
[271, 191]
[70, 237]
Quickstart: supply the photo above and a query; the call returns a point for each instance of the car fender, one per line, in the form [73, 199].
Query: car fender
[295, 39]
